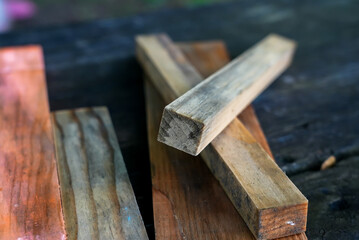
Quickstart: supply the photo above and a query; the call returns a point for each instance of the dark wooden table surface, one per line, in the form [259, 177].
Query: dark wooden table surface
[309, 113]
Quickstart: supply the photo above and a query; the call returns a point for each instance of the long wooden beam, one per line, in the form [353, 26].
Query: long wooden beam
[97, 197]
[193, 120]
[30, 204]
[267, 200]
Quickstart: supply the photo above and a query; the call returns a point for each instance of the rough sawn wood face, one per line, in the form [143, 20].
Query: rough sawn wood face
[97, 196]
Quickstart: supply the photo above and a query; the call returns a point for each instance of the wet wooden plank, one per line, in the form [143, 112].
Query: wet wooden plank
[98, 200]
[243, 164]
[30, 204]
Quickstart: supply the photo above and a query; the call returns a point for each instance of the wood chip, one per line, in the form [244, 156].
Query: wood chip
[328, 163]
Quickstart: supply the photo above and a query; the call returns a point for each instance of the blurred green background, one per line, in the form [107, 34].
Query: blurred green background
[51, 12]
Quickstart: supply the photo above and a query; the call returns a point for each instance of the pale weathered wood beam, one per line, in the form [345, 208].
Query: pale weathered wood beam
[194, 119]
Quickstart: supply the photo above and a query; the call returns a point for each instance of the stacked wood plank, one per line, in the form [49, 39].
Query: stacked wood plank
[268, 202]
[97, 200]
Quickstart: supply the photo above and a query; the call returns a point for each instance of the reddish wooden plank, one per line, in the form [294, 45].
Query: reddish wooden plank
[30, 204]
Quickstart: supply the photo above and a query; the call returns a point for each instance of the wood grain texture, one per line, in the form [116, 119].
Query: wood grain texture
[182, 183]
[188, 202]
[97, 196]
[243, 168]
[305, 112]
[207, 57]
[193, 120]
[30, 204]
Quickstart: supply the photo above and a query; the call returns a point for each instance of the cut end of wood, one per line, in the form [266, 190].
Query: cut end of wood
[30, 203]
[100, 109]
[180, 132]
[144, 37]
[22, 58]
[287, 220]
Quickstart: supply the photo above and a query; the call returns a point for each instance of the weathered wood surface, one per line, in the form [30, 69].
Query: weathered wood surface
[97, 197]
[207, 57]
[194, 119]
[184, 191]
[30, 204]
[256, 186]
[182, 183]
[188, 202]
[304, 113]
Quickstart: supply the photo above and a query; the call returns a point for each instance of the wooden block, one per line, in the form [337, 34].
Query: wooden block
[193, 120]
[30, 204]
[97, 197]
[208, 57]
[267, 200]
